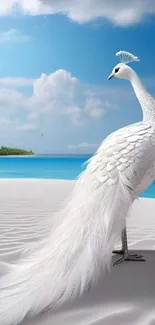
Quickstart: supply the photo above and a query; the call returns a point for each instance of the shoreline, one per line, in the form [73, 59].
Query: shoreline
[51, 180]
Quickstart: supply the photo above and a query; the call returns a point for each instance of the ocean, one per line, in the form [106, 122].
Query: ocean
[47, 167]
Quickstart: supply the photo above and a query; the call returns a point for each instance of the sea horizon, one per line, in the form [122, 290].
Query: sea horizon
[48, 155]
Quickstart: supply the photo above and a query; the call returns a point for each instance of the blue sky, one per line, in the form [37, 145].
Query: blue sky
[54, 64]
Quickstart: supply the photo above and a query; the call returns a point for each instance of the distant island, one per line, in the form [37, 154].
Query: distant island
[5, 151]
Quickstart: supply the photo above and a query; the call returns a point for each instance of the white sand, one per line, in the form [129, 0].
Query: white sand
[126, 296]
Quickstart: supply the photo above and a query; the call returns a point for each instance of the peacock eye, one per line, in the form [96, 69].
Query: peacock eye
[116, 70]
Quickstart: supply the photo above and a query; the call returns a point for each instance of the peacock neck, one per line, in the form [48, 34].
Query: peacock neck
[146, 101]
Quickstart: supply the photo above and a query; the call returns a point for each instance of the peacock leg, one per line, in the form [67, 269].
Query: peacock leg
[121, 251]
[124, 251]
[124, 243]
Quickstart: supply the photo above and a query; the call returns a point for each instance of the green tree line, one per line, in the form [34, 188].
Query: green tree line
[5, 151]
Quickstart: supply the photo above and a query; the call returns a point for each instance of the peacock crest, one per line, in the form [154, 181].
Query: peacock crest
[127, 57]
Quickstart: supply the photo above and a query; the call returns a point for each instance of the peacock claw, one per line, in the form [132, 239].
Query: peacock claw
[134, 257]
[121, 252]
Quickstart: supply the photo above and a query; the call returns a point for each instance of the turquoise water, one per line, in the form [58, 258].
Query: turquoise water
[42, 167]
[49, 167]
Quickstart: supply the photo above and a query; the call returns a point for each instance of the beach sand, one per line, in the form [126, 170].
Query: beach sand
[125, 296]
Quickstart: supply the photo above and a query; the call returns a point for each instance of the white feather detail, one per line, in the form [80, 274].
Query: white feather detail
[127, 57]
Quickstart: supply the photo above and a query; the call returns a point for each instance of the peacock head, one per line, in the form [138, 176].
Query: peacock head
[122, 70]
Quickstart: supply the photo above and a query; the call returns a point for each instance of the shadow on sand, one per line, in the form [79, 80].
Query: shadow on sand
[125, 296]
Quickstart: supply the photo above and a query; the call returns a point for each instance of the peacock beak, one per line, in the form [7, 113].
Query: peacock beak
[111, 76]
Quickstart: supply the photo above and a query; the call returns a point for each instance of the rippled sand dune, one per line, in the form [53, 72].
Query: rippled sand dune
[126, 296]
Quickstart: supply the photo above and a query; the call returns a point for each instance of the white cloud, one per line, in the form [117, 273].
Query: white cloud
[120, 12]
[62, 94]
[16, 82]
[11, 99]
[4, 121]
[84, 145]
[27, 127]
[13, 35]
[33, 116]
[6, 7]
[94, 106]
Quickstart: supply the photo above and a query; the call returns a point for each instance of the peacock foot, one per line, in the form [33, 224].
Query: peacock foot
[121, 252]
[128, 257]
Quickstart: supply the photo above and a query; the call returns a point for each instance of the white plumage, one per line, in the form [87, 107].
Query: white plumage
[74, 256]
